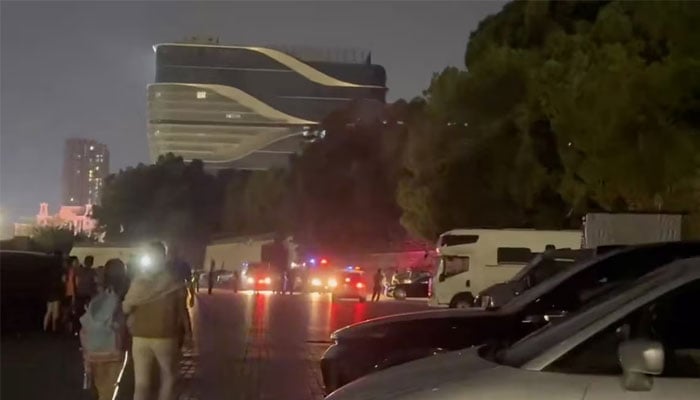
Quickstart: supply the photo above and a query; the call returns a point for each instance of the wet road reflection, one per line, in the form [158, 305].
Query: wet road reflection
[267, 346]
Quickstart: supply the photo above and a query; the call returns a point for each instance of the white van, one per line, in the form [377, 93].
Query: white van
[470, 260]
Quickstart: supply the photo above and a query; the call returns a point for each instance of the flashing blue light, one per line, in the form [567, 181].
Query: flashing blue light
[312, 260]
[349, 267]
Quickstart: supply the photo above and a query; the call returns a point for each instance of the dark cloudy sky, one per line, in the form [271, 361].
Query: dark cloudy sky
[80, 69]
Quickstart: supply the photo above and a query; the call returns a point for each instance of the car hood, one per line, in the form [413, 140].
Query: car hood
[375, 327]
[414, 376]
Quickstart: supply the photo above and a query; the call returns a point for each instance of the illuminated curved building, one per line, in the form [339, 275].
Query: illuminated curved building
[249, 107]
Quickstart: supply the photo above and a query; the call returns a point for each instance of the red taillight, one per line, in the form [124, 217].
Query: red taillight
[324, 261]
[359, 285]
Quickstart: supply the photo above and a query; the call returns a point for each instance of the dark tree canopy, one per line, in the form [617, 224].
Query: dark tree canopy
[170, 200]
[566, 107]
[563, 108]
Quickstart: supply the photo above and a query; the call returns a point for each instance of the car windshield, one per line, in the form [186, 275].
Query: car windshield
[528, 268]
[511, 354]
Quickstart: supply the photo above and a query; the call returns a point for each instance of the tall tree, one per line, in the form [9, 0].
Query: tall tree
[565, 107]
[57, 238]
[345, 185]
[170, 200]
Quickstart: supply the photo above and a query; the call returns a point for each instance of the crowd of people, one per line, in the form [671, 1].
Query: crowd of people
[138, 308]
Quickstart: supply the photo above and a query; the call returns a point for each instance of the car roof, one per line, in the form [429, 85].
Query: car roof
[662, 280]
[25, 252]
[545, 287]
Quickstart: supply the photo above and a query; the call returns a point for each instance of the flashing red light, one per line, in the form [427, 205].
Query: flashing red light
[359, 285]
[347, 279]
[324, 261]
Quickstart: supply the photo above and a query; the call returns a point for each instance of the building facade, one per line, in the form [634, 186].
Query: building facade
[85, 167]
[250, 107]
[77, 218]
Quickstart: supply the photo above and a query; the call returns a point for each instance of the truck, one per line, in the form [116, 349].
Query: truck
[601, 229]
[472, 261]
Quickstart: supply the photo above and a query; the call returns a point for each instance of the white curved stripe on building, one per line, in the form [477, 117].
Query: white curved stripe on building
[290, 62]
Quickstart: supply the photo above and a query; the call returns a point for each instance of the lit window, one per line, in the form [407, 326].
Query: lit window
[201, 94]
[92, 147]
[233, 116]
[157, 94]
[97, 168]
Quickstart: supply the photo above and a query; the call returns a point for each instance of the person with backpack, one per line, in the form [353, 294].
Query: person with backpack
[84, 284]
[157, 317]
[103, 336]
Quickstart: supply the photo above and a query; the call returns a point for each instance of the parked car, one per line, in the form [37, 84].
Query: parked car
[369, 346]
[349, 285]
[636, 342]
[259, 276]
[541, 268]
[24, 289]
[416, 288]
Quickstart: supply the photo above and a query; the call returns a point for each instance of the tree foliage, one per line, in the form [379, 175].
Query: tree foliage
[56, 238]
[256, 202]
[344, 186]
[170, 200]
[565, 107]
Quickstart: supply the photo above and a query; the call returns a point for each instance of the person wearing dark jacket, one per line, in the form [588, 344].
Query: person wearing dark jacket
[212, 266]
[378, 279]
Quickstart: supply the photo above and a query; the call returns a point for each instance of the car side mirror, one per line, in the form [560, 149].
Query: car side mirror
[640, 359]
[441, 277]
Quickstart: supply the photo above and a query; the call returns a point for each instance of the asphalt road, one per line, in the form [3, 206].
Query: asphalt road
[268, 346]
[246, 347]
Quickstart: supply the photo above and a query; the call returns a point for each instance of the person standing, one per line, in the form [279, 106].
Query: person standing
[85, 284]
[103, 336]
[378, 279]
[157, 317]
[195, 281]
[212, 266]
[70, 312]
[183, 271]
[55, 294]
[236, 281]
[116, 273]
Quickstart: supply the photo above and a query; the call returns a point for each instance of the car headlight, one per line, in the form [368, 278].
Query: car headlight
[332, 282]
[315, 282]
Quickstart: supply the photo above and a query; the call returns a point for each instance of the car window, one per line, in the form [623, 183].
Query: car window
[606, 275]
[666, 320]
[455, 265]
[547, 269]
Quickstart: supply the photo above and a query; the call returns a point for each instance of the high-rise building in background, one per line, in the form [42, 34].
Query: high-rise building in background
[85, 167]
[250, 107]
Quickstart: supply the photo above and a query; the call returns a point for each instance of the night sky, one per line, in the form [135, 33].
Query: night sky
[80, 69]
